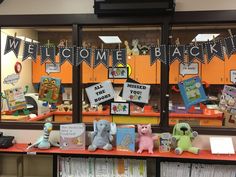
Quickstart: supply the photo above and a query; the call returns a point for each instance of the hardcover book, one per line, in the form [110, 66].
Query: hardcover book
[72, 136]
[125, 138]
[192, 91]
[228, 100]
[49, 89]
[15, 98]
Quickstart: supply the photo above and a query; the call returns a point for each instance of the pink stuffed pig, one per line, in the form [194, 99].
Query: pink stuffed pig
[145, 138]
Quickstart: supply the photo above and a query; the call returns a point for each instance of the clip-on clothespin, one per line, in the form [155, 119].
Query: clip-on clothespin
[66, 44]
[230, 32]
[48, 43]
[214, 39]
[158, 42]
[177, 42]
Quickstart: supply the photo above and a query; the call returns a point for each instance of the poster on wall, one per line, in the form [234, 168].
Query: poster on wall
[100, 92]
[15, 98]
[192, 91]
[135, 92]
[49, 89]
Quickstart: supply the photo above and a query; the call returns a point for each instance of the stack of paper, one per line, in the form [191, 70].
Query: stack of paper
[101, 167]
[171, 169]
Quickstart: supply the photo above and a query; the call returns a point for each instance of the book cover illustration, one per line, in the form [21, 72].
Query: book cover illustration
[72, 136]
[192, 91]
[165, 142]
[15, 98]
[125, 138]
[49, 89]
[228, 100]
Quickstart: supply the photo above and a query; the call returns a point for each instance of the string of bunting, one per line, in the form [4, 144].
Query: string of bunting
[77, 55]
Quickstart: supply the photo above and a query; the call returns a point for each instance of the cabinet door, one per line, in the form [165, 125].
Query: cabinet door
[36, 70]
[230, 65]
[144, 72]
[174, 73]
[131, 65]
[87, 73]
[158, 72]
[100, 73]
[213, 72]
[39, 70]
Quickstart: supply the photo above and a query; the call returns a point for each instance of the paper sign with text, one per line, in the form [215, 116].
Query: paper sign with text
[186, 69]
[233, 76]
[101, 92]
[136, 92]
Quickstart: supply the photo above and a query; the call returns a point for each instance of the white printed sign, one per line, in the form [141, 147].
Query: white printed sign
[136, 92]
[233, 76]
[222, 145]
[52, 68]
[101, 92]
[191, 69]
[71, 130]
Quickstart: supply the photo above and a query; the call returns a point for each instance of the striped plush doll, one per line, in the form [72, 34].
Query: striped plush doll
[43, 142]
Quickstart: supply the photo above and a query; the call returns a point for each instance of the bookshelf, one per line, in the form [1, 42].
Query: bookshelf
[54, 153]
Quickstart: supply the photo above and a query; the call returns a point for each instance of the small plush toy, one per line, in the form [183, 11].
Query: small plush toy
[101, 137]
[183, 136]
[145, 138]
[43, 142]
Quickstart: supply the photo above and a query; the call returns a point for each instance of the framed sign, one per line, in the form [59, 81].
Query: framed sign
[135, 92]
[118, 72]
[100, 92]
[52, 68]
[119, 108]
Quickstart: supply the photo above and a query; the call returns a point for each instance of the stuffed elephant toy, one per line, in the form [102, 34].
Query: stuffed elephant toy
[101, 137]
[183, 136]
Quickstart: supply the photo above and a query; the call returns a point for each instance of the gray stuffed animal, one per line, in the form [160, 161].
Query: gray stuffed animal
[101, 137]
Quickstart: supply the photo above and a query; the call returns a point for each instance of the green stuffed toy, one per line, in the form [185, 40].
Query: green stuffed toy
[183, 136]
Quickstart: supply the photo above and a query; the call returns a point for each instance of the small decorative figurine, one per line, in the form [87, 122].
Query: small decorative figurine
[128, 50]
[43, 142]
[145, 138]
[101, 137]
[183, 136]
[135, 50]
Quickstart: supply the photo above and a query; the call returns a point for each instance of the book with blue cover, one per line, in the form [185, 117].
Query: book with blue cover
[125, 138]
[192, 91]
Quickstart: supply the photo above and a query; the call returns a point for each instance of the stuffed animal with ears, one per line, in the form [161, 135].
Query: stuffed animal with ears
[145, 138]
[101, 137]
[43, 142]
[183, 136]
